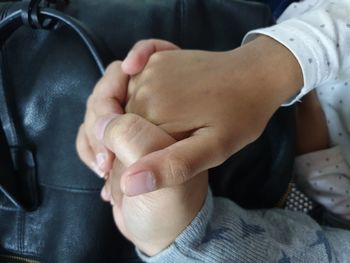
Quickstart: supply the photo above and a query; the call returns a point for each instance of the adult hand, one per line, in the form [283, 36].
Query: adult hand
[151, 221]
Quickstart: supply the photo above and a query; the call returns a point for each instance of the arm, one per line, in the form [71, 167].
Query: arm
[317, 33]
[244, 86]
[227, 87]
[224, 232]
[173, 225]
[230, 82]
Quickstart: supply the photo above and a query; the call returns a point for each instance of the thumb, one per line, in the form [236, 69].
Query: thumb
[141, 52]
[173, 165]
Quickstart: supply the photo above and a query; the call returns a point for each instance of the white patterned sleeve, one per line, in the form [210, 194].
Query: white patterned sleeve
[325, 177]
[317, 32]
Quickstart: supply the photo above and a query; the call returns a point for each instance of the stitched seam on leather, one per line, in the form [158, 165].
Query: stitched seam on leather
[6, 204]
[23, 217]
[4, 11]
[8, 208]
[71, 189]
[24, 254]
[18, 232]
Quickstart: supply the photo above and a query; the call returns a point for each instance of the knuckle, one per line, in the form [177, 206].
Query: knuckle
[115, 65]
[141, 42]
[158, 57]
[126, 127]
[144, 102]
[179, 169]
[134, 84]
[221, 147]
[134, 126]
[144, 94]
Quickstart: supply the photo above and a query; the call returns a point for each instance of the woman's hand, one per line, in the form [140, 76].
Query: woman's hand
[151, 221]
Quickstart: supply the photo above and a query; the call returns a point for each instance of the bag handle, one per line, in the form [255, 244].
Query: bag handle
[36, 17]
[18, 179]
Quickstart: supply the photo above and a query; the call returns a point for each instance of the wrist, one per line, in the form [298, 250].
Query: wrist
[275, 69]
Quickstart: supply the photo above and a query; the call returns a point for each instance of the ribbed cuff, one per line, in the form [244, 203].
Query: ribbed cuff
[189, 238]
[307, 42]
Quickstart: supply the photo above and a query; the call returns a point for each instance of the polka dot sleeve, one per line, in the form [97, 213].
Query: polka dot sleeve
[325, 177]
[318, 34]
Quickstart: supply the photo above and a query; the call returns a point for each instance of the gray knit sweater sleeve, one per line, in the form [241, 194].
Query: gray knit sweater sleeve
[224, 232]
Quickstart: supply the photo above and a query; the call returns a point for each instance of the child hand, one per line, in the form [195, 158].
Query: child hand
[213, 103]
[151, 221]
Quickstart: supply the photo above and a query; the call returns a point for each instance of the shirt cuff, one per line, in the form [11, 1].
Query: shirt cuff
[303, 41]
[191, 237]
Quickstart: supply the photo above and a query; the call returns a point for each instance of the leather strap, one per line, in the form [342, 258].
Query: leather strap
[18, 180]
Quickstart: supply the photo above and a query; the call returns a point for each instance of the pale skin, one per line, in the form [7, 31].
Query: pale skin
[212, 103]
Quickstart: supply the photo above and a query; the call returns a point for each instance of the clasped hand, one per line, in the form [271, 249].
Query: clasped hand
[201, 107]
[151, 221]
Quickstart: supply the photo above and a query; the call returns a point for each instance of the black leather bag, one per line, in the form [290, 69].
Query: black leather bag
[50, 209]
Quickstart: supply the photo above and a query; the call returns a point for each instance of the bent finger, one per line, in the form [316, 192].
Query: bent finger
[141, 52]
[173, 165]
[130, 136]
[86, 153]
[113, 85]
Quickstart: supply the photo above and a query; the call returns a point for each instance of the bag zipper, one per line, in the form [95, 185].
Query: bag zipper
[17, 259]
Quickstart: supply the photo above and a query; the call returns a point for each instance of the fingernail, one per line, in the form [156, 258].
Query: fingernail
[101, 159]
[139, 183]
[97, 170]
[102, 123]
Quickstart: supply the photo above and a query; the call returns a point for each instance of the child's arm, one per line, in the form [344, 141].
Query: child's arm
[167, 224]
[224, 232]
[317, 32]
